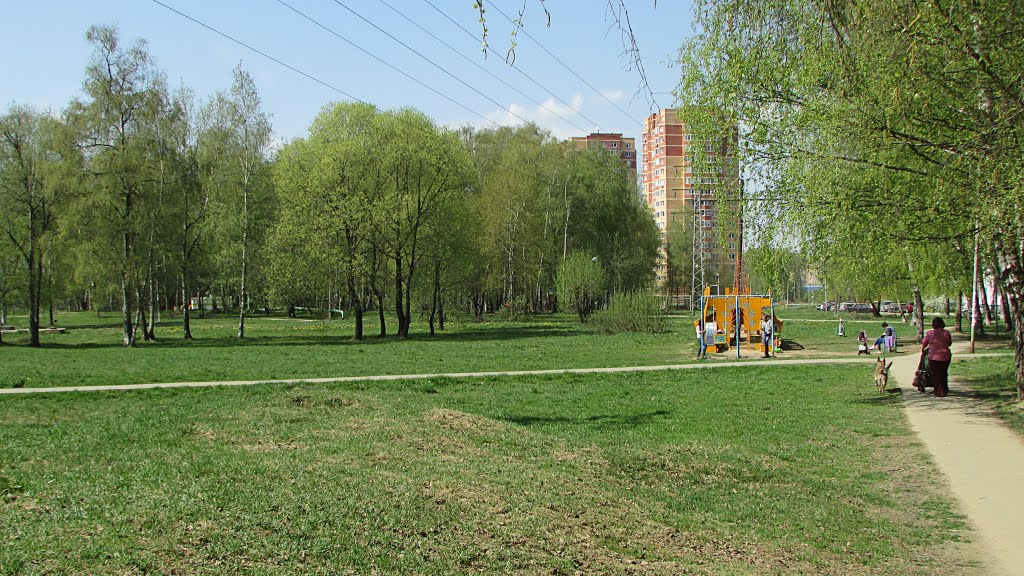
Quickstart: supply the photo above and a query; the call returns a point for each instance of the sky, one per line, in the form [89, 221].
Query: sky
[48, 67]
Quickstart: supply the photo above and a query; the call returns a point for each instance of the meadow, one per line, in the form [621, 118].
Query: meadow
[90, 352]
[752, 470]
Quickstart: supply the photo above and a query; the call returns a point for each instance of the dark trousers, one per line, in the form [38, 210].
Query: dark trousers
[938, 375]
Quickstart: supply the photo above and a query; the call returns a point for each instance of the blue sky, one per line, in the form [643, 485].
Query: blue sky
[48, 67]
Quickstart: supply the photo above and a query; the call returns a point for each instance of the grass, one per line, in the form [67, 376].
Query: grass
[90, 353]
[276, 348]
[762, 470]
[992, 381]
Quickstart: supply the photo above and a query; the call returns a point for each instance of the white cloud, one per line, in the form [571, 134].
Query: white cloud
[551, 115]
[617, 95]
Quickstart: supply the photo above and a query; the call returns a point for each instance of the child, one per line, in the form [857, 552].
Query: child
[862, 343]
[841, 331]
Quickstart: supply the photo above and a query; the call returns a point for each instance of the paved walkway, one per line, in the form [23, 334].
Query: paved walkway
[982, 459]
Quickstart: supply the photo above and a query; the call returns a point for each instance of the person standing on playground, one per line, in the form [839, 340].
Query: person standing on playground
[702, 346]
[936, 342]
[767, 327]
[709, 336]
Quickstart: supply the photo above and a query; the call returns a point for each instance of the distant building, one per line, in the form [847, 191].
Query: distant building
[614, 142]
[676, 188]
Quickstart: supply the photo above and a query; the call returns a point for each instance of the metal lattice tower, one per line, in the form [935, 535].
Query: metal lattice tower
[697, 266]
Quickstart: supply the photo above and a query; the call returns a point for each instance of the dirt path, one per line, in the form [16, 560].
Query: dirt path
[982, 459]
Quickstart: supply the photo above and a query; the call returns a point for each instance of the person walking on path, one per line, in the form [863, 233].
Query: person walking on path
[937, 342]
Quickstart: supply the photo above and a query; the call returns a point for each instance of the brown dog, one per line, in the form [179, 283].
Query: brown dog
[882, 374]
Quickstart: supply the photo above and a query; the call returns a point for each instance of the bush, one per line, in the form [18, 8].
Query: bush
[516, 310]
[581, 282]
[631, 312]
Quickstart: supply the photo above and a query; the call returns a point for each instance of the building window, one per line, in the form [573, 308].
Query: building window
[688, 137]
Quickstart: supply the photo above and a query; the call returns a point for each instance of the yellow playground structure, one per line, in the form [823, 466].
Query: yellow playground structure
[722, 310]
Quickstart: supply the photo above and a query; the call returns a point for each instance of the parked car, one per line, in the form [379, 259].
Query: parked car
[860, 308]
[889, 307]
[826, 306]
[845, 306]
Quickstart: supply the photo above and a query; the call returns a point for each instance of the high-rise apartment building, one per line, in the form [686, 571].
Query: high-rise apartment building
[684, 175]
[613, 142]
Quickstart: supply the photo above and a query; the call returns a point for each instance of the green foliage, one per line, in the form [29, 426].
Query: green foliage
[634, 311]
[515, 310]
[581, 284]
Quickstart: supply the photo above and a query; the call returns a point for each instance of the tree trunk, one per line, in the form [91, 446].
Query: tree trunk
[403, 322]
[983, 294]
[978, 320]
[128, 336]
[1005, 305]
[440, 312]
[919, 313]
[242, 288]
[435, 296]
[357, 307]
[379, 295]
[186, 306]
[960, 312]
[947, 305]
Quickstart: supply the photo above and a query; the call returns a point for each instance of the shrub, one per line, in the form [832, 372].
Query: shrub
[631, 312]
[515, 310]
[581, 282]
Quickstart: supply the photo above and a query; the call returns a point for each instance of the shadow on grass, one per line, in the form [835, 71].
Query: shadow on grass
[892, 395]
[480, 334]
[600, 421]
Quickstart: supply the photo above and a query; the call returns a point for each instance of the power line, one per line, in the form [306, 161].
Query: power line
[386, 63]
[481, 68]
[520, 28]
[431, 62]
[261, 53]
[531, 176]
[513, 66]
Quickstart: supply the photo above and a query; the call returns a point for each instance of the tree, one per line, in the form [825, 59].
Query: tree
[120, 86]
[421, 168]
[581, 284]
[241, 133]
[328, 181]
[31, 190]
[913, 102]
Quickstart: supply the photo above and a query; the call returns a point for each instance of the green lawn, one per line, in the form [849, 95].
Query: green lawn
[992, 381]
[90, 352]
[759, 470]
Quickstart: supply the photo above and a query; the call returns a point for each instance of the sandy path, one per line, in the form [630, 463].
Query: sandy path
[982, 459]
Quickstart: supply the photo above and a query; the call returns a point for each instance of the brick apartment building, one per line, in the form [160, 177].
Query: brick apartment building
[674, 187]
[626, 147]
